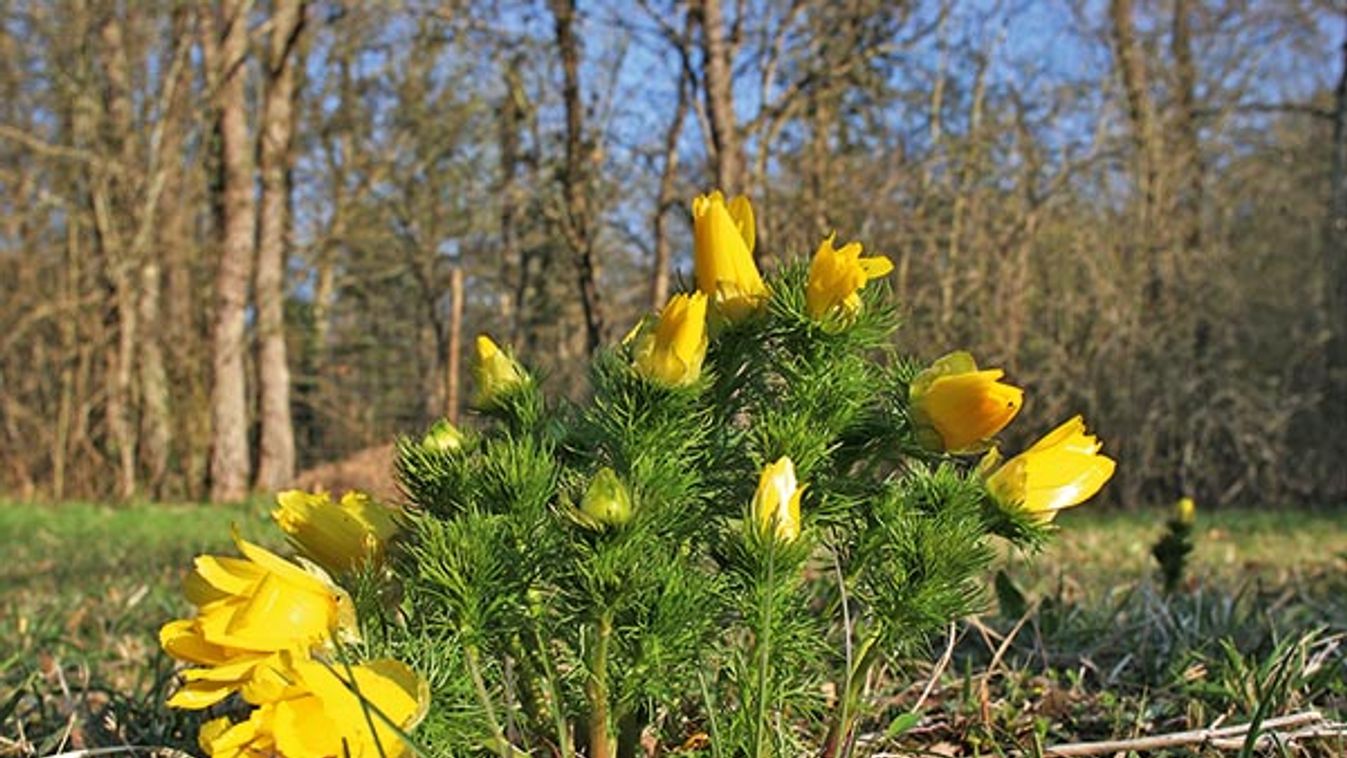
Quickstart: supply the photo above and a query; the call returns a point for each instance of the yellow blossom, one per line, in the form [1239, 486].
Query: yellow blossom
[1185, 511]
[723, 255]
[672, 353]
[836, 278]
[1059, 471]
[958, 408]
[249, 610]
[322, 716]
[495, 371]
[776, 504]
[338, 536]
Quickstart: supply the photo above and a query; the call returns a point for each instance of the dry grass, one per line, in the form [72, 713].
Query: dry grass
[1097, 653]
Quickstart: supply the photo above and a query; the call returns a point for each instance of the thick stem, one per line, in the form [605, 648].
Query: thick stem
[596, 690]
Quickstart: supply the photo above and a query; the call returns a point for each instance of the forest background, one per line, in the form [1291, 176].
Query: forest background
[240, 239]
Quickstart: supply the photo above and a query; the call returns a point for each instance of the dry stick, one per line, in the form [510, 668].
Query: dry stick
[1313, 732]
[939, 668]
[1175, 739]
[984, 692]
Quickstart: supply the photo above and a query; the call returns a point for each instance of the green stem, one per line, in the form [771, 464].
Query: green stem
[766, 595]
[596, 690]
[558, 715]
[840, 732]
[498, 741]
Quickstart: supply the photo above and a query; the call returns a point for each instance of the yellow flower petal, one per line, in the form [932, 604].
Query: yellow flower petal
[385, 687]
[494, 371]
[723, 263]
[776, 504]
[960, 407]
[836, 277]
[674, 352]
[339, 536]
[1061, 470]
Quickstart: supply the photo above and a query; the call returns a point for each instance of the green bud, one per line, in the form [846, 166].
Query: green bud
[607, 500]
[443, 436]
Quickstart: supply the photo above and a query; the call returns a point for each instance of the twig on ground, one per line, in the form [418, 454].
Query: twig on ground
[939, 668]
[1226, 738]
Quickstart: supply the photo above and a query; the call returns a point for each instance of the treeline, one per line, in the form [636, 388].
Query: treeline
[238, 238]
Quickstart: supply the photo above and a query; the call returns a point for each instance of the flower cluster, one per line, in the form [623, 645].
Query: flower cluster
[582, 576]
[956, 407]
[959, 409]
[270, 630]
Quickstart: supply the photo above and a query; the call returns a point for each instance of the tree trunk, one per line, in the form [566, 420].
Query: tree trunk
[1131, 68]
[1335, 251]
[452, 370]
[668, 196]
[511, 263]
[229, 406]
[577, 223]
[719, 83]
[1189, 166]
[112, 211]
[276, 454]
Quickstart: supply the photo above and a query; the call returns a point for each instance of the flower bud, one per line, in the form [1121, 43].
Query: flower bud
[495, 371]
[1061, 470]
[672, 353]
[443, 436]
[836, 278]
[1185, 511]
[776, 504]
[958, 408]
[607, 501]
[723, 266]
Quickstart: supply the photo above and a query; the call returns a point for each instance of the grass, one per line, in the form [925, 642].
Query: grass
[1083, 646]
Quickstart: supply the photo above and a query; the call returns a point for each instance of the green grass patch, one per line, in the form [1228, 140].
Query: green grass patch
[1102, 652]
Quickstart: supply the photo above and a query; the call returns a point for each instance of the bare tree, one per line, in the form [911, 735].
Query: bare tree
[577, 224]
[276, 454]
[227, 67]
[718, 74]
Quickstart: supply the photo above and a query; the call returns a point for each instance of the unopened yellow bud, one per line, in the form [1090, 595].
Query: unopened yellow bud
[443, 436]
[607, 500]
[672, 353]
[338, 536]
[495, 371]
[958, 408]
[836, 278]
[1185, 511]
[776, 504]
[723, 266]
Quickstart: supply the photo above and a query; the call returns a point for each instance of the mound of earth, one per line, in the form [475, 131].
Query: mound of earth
[369, 470]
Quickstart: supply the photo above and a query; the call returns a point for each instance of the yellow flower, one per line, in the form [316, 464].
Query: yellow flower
[338, 536]
[723, 255]
[1059, 471]
[836, 278]
[443, 436]
[776, 504]
[957, 408]
[322, 716]
[607, 502]
[249, 610]
[673, 352]
[495, 371]
[1185, 511]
